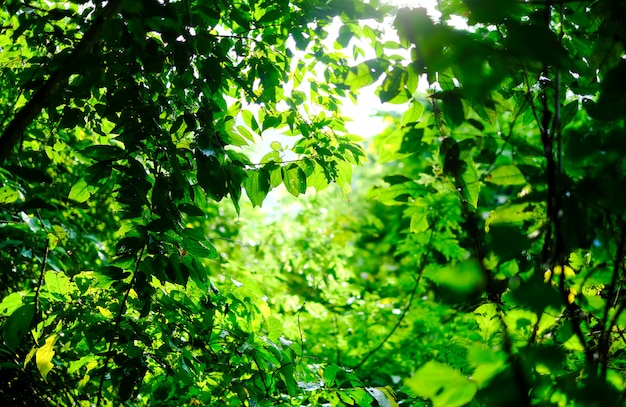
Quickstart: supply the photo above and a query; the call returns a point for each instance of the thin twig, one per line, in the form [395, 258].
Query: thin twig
[314, 287]
[116, 326]
[420, 272]
[43, 263]
[41, 275]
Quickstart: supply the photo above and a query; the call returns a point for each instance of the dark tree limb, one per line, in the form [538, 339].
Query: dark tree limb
[14, 131]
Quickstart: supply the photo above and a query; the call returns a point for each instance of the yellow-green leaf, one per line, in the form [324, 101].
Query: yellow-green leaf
[445, 386]
[8, 195]
[44, 356]
[80, 192]
[413, 114]
[57, 282]
[506, 175]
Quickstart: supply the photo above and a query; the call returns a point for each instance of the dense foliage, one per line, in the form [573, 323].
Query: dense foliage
[479, 261]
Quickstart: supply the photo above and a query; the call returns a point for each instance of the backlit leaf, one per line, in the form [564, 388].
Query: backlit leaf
[257, 185]
[506, 175]
[44, 354]
[8, 195]
[81, 191]
[443, 385]
[294, 179]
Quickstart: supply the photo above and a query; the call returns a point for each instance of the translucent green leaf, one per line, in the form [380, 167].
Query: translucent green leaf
[413, 114]
[294, 179]
[443, 385]
[419, 219]
[257, 185]
[53, 241]
[394, 194]
[390, 148]
[80, 192]
[488, 321]
[392, 88]
[470, 187]
[10, 303]
[57, 282]
[200, 249]
[515, 214]
[365, 73]
[44, 355]
[506, 175]
[238, 135]
[318, 179]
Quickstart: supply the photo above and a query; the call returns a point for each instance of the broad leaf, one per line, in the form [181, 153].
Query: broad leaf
[443, 385]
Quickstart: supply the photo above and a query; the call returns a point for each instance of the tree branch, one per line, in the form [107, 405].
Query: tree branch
[15, 130]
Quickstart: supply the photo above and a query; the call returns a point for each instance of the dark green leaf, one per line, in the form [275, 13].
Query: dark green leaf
[17, 325]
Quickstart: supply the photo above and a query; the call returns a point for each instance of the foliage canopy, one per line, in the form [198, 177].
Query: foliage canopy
[484, 266]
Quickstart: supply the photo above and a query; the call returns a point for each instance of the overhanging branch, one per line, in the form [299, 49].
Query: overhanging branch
[14, 131]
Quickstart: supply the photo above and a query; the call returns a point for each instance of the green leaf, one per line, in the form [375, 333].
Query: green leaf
[271, 15]
[419, 218]
[511, 214]
[190, 209]
[395, 194]
[250, 120]
[392, 89]
[568, 112]
[414, 113]
[488, 363]
[506, 175]
[452, 107]
[488, 321]
[200, 249]
[103, 152]
[10, 303]
[257, 185]
[81, 191]
[546, 47]
[443, 385]
[57, 282]
[365, 73]
[17, 324]
[294, 179]
[330, 373]
[211, 175]
[470, 186]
